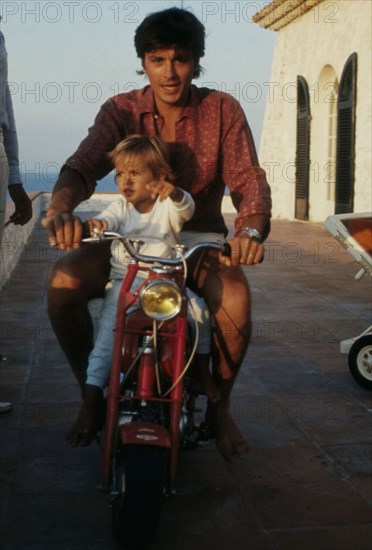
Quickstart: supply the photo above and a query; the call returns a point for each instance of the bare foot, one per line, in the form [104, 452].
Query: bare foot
[78, 435]
[230, 440]
[89, 420]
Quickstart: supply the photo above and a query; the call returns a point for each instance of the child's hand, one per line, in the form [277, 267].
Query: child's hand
[165, 189]
[93, 223]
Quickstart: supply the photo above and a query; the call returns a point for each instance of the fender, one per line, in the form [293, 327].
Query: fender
[144, 433]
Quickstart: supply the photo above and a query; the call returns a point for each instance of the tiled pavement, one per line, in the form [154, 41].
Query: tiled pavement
[307, 482]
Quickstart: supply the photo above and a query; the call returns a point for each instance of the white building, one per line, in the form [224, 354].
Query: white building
[316, 138]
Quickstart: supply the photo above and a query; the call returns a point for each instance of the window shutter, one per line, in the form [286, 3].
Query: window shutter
[302, 150]
[345, 157]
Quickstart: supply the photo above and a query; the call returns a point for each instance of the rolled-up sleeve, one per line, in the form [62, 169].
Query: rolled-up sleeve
[90, 159]
[179, 212]
[113, 214]
[241, 172]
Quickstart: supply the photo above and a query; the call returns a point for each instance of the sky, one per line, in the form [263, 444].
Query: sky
[67, 57]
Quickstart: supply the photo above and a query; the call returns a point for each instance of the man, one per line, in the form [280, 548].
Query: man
[10, 177]
[211, 146]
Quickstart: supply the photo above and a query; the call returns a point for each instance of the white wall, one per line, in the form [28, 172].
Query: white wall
[324, 36]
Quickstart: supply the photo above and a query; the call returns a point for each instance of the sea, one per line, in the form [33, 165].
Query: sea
[34, 182]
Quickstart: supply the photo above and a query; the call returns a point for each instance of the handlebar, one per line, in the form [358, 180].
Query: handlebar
[132, 246]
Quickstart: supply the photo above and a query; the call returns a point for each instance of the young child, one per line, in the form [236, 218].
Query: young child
[150, 206]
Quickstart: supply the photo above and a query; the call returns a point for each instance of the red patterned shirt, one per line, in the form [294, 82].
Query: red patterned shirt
[214, 148]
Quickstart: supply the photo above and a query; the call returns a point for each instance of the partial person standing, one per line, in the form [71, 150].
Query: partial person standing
[10, 176]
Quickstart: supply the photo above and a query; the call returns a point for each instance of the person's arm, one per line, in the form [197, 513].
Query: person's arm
[250, 192]
[78, 177]
[177, 195]
[97, 224]
[164, 189]
[64, 229]
[183, 204]
[114, 214]
[22, 202]
[69, 191]
[246, 247]
[183, 209]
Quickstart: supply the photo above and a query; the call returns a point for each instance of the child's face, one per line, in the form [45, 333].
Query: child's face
[133, 178]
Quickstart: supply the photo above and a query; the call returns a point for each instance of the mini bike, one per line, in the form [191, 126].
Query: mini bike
[151, 397]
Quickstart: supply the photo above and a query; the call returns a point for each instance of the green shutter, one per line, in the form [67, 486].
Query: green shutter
[302, 150]
[345, 159]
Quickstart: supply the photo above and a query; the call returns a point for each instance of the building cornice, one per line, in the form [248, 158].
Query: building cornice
[280, 13]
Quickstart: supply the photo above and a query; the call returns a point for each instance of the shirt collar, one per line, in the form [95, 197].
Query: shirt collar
[146, 102]
[192, 104]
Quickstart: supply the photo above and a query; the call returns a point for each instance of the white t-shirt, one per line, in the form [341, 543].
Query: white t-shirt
[162, 224]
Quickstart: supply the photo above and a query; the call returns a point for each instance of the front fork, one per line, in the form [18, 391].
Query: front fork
[146, 371]
[177, 394]
[125, 300]
[144, 432]
[145, 385]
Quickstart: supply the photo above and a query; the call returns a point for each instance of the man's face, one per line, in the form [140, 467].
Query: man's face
[170, 72]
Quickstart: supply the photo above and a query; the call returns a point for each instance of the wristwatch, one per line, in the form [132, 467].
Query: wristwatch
[252, 233]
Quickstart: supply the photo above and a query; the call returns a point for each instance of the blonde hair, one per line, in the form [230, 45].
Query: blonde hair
[151, 150]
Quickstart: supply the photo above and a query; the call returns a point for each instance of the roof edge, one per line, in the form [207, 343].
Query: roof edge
[280, 13]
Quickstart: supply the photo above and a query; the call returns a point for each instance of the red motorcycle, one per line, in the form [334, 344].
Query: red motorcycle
[151, 397]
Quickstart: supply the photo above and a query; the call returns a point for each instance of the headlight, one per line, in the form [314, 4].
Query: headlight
[161, 299]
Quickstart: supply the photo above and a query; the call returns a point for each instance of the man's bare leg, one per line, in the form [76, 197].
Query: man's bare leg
[226, 292]
[201, 373]
[73, 281]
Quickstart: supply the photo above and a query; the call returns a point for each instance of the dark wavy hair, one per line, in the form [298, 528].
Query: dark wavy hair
[171, 27]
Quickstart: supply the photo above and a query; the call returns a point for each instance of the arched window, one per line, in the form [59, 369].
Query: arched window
[302, 150]
[346, 137]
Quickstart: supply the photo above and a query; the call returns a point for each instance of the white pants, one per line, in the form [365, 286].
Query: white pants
[100, 358]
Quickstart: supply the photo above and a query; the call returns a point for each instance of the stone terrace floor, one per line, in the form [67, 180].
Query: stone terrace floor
[307, 482]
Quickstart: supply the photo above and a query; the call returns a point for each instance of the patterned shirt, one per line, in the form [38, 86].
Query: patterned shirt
[214, 148]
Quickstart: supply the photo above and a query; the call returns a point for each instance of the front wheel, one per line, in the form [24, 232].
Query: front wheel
[140, 489]
[360, 361]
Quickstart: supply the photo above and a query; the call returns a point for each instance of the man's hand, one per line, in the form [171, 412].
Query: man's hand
[244, 250]
[64, 230]
[22, 203]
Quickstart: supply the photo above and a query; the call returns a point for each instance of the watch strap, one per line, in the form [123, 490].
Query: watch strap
[252, 233]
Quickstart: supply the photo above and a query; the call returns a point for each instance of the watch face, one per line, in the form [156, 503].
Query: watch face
[253, 233]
